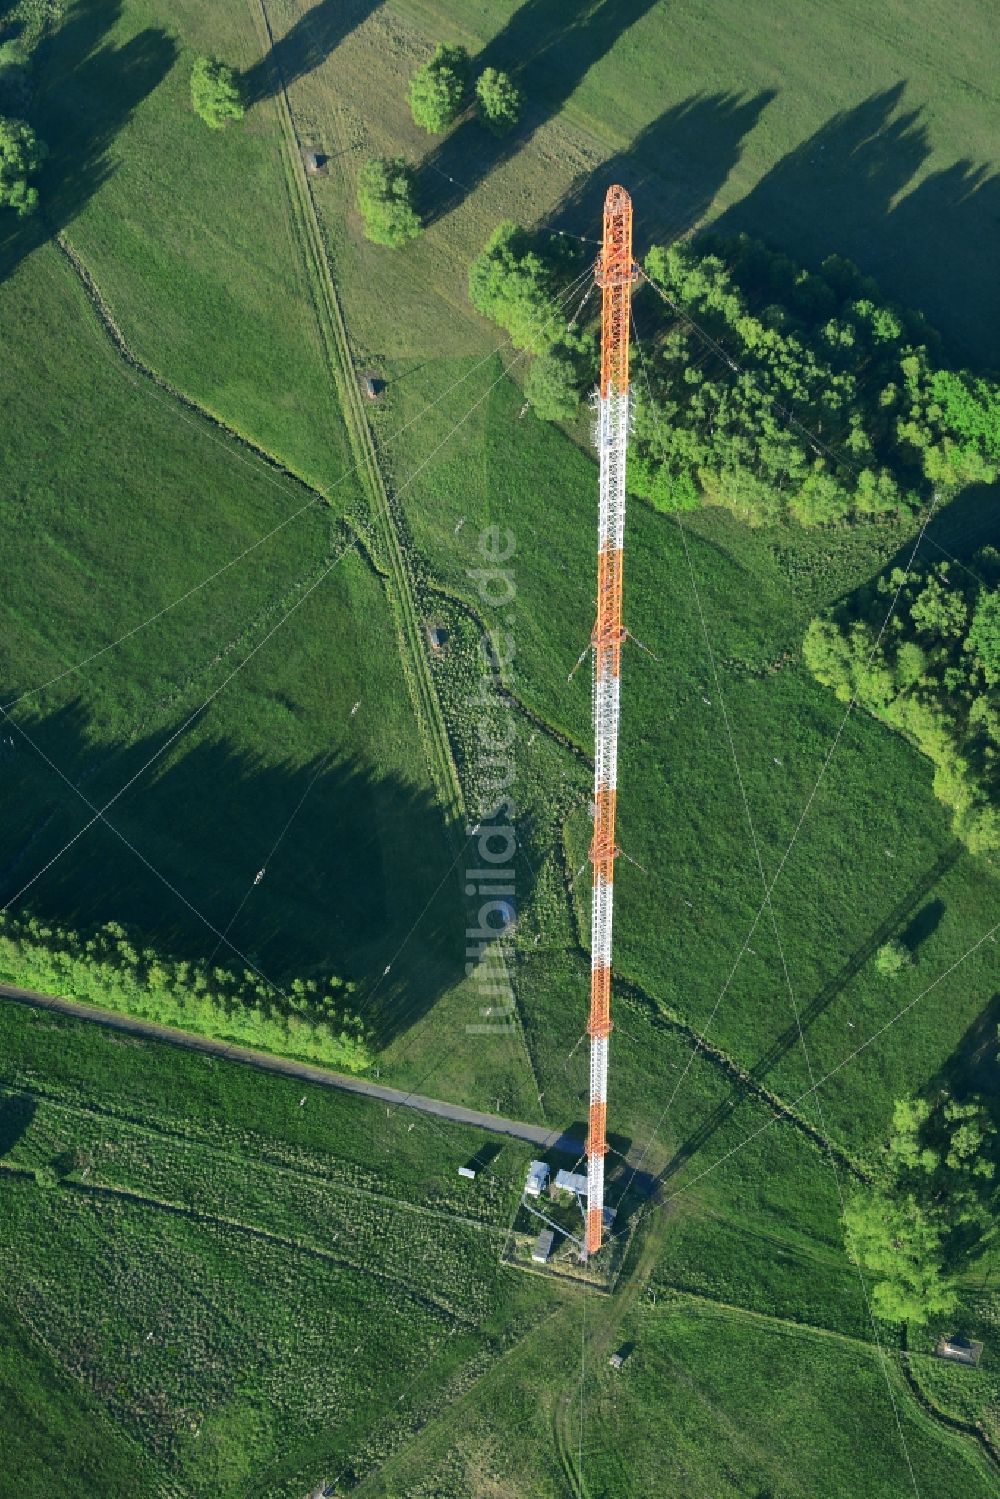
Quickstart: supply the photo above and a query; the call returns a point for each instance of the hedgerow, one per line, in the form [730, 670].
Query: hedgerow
[311, 1019]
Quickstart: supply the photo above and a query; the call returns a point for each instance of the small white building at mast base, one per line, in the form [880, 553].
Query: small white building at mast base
[538, 1179]
[571, 1181]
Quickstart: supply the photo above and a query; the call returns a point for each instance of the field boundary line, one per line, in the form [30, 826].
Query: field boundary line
[249, 1230]
[117, 338]
[157, 1132]
[974, 1429]
[674, 1299]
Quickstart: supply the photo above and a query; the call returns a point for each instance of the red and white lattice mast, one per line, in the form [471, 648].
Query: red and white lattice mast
[614, 273]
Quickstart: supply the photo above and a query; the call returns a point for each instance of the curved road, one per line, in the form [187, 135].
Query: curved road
[534, 1134]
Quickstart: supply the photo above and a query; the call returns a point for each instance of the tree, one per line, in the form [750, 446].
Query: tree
[897, 1242]
[906, 1149]
[437, 90]
[828, 656]
[21, 154]
[983, 639]
[553, 386]
[499, 100]
[386, 200]
[511, 283]
[892, 957]
[46, 1176]
[215, 92]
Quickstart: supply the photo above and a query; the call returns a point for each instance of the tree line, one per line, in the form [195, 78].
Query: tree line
[931, 673]
[312, 1019]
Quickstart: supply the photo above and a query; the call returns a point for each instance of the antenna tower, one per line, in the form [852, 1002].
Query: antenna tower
[614, 274]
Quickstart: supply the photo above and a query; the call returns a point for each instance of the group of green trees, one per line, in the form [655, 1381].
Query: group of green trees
[439, 91]
[781, 392]
[933, 1202]
[311, 1019]
[512, 282]
[21, 152]
[932, 673]
[21, 155]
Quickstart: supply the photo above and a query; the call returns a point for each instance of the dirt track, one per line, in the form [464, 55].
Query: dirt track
[535, 1134]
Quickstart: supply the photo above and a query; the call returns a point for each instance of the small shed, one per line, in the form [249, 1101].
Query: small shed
[437, 638]
[543, 1246]
[372, 387]
[571, 1181]
[621, 1356]
[960, 1350]
[468, 1172]
[538, 1179]
[315, 162]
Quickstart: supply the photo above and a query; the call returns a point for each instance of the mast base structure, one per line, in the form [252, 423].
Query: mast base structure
[615, 273]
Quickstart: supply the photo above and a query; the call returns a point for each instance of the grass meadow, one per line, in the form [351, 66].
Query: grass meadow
[254, 1289]
[299, 1292]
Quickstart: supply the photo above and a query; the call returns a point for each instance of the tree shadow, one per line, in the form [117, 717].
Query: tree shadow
[924, 924]
[968, 523]
[86, 90]
[674, 168]
[790, 1037]
[844, 191]
[974, 1065]
[347, 890]
[16, 1113]
[547, 47]
[305, 47]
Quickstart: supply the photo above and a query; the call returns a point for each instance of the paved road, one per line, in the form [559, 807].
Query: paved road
[535, 1134]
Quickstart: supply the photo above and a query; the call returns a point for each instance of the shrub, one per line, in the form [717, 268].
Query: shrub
[386, 201]
[215, 92]
[499, 101]
[437, 90]
[21, 154]
[892, 957]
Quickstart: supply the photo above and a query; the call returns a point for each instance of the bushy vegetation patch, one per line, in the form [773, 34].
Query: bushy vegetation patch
[799, 394]
[932, 674]
[386, 199]
[931, 1208]
[311, 1020]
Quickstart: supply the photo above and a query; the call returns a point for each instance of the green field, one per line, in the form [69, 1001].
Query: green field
[253, 1290]
[257, 1296]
